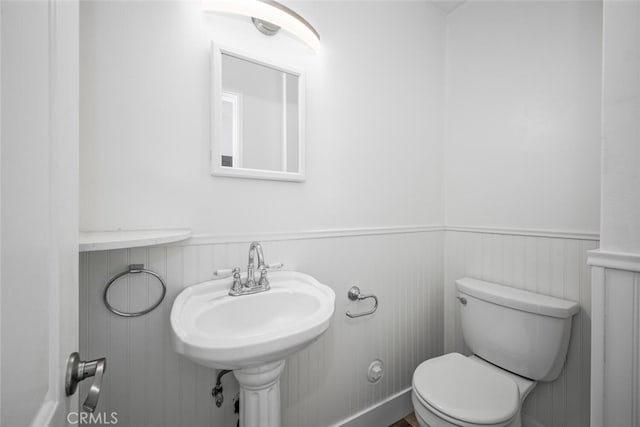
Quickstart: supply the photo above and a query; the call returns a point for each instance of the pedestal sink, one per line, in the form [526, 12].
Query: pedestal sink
[252, 334]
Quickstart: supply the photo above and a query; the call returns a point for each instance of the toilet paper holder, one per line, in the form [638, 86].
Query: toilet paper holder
[355, 295]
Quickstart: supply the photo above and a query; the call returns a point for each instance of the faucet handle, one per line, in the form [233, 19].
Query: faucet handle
[237, 282]
[263, 282]
[274, 266]
[221, 274]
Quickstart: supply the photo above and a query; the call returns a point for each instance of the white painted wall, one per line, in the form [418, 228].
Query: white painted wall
[621, 128]
[523, 115]
[374, 119]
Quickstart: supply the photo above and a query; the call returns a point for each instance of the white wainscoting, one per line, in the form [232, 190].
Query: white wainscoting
[615, 368]
[147, 384]
[549, 265]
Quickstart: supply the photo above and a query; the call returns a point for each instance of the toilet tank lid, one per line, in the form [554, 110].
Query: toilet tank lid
[517, 298]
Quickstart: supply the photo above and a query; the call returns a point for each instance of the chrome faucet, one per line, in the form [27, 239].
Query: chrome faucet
[250, 286]
[256, 248]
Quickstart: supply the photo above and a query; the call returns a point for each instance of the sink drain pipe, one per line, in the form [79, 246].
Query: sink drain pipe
[216, 392]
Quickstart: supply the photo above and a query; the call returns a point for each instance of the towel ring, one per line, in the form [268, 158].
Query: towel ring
[133, 269]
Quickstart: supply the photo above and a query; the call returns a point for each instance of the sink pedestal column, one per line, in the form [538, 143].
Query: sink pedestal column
[260, 395]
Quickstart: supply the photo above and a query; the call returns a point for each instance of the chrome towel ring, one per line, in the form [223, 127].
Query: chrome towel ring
[133, 269]
[354, 295]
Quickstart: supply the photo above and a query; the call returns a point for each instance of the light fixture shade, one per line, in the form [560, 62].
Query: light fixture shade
[270, 11]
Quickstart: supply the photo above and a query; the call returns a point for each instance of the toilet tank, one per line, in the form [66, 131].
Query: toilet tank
[520, 331]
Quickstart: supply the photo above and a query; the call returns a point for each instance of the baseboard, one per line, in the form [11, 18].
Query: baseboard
[383, 413]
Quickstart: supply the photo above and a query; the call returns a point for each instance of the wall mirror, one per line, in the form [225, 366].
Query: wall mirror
[258, 118]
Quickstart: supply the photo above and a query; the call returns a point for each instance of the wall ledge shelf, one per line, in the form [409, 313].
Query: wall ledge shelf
[106, 240]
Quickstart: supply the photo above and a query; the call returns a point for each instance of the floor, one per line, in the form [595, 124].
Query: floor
[408, 421]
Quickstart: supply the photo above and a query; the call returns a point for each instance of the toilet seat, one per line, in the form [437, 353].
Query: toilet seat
[466, 392]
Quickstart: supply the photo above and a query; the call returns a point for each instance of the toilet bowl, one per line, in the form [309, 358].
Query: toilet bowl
[454, 390]
[517, 338]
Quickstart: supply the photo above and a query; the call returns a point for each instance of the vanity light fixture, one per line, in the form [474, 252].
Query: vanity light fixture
[268, 16]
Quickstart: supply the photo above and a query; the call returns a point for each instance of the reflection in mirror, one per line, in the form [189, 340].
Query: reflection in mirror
[231, 127]
[259, 130]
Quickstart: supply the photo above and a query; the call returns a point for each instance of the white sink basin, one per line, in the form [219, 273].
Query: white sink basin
[238, 332]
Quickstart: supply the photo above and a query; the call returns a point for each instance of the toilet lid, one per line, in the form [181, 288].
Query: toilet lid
[466, 390]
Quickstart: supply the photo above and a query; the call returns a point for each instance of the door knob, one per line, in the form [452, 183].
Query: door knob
[77, 371]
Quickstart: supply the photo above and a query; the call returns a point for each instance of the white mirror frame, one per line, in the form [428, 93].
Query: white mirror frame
[216, 129]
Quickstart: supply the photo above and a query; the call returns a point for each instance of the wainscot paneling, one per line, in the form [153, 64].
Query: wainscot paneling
[622, 348]
[548, 265]
[148, 384]
[615, 346]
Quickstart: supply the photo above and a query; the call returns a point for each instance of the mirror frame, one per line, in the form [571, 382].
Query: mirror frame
[217, 169]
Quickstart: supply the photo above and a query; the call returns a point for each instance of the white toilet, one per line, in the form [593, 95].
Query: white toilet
[517, 338]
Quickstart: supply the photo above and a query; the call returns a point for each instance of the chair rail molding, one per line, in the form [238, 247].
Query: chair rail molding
[534, 232]
[614, 260]
[207, 239]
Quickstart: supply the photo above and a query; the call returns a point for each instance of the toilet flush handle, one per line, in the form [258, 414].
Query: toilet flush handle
[462, 300]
